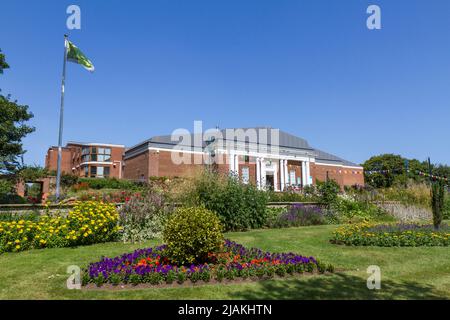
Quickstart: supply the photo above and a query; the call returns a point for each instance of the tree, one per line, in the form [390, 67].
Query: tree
[437, 203]
[12, 129]
[385, 168]
[3, 64]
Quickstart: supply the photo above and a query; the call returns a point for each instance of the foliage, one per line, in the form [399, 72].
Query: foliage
[415, 194]
[6, 186]
[396, 235]
[191, 233]
[69, 180]
[437, 202]
[111, 183]
[88, 223]
[300, 215]
[12, 128]
[32, 173]
[239, 206]
[291, 196]
[351, 210]
[105, 195]
[394, 170]
[235, 261]
[143, 217]
[328, 192]
[3, 64]
[446, 212]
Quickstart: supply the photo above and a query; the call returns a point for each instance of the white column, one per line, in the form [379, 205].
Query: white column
[231, 161]
[304, 178]
[281, 166]
[263, 174]
[286, 173]
[258, 173]
[308, 173]
[275, 177]
[236, 165]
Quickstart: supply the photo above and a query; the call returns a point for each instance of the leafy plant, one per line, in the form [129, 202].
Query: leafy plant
[143, 216]
[437, 202]
[239, 206]
[191, 233]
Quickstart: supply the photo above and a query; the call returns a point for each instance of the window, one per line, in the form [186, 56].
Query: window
[93, 171]
[100, 154]
[86, 171]
[245, 175]
[292, 176]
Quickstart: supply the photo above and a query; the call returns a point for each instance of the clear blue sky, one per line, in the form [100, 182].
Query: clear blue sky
[311, 68]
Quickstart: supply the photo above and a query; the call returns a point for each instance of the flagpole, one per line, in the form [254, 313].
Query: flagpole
[61, 118]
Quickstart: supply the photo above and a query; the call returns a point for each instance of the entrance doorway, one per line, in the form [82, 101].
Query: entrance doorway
[270, 181]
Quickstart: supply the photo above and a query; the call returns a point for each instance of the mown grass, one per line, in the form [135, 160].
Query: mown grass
[407, 273]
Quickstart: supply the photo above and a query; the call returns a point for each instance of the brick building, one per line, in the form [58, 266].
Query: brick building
[96, 160]
[266, 157]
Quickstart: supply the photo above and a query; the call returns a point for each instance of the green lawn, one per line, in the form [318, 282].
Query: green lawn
[407, 273]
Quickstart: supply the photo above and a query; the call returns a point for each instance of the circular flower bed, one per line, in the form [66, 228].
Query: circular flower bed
[234, 261]
[392, 235]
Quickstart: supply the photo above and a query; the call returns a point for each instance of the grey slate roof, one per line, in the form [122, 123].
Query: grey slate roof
[287, 142]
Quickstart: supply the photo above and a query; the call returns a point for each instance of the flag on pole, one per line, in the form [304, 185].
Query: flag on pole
[75, 55]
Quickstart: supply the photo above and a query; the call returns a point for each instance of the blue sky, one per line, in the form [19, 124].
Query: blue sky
[311, 68]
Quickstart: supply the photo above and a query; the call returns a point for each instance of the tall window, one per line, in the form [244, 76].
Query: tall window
[245, 175]
[292, 177]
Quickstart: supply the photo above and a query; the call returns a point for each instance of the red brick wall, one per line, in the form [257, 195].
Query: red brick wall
[137, 167]
[342, 175]
[51, 160]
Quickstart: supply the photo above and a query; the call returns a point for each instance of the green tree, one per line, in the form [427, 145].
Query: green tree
[437, 203]
[3, 64]
[12, 129]
[389, 165]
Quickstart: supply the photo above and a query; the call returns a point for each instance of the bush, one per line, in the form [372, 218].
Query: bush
[300, 215]
[239, 206]
[111, 183]
[88, 223]
[192, 233]
[291, 196]
[446, 212]
[396, 235]
[328, 192]
[143, 216]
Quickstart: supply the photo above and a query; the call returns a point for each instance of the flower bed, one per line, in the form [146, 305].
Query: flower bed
[392, 235]
[233, 262]
[88, 222]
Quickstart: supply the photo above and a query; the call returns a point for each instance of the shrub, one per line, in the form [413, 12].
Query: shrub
[87, 223]
[239, 206]
[143, 216]
[328, 192]
[300, 215]
[112, 183]
[292, 196]
[446, 212]
[391, 235]
[192, 233]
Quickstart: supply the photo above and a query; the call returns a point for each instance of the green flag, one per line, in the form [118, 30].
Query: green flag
[75, 55]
